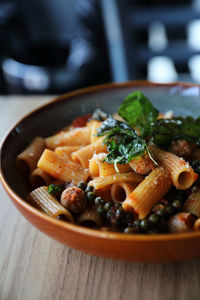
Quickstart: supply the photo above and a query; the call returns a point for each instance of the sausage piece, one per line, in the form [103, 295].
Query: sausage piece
[73, 198]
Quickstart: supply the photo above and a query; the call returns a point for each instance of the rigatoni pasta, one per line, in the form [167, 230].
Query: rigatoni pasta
[182, 175]
[66, 151]
[148, 192]
[60, 168]
[89, 217]
[38, 178]
[84, 154]
[94, 126]
[102, 182]
[120, 191]
[74, 137]
[27, 160]
[100, 168]
[135, 172]
[47, 203]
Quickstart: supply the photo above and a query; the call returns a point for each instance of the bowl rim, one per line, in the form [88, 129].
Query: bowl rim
[74, 227]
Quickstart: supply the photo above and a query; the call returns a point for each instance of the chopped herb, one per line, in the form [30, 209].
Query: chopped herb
[139, 112]
[55, 189]
[122, 142]
[164, 131]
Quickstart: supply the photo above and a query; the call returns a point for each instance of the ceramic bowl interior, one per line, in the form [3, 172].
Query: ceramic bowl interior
[183, 99]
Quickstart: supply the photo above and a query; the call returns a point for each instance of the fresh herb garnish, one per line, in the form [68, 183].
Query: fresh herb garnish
[122, 142]
[55, 189]
[164, 131]
[138, 111]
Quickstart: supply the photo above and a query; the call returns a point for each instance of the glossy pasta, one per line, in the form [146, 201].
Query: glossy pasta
[27, 160]
[148, 192]
[60, 168]
[99, 168]
[47, 203]
[74, 137]
[38, 178]
[84, 154]
[119, 173]
[182, 175]
[102, 182]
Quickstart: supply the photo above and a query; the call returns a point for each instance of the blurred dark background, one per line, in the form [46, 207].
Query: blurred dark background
[52, 46]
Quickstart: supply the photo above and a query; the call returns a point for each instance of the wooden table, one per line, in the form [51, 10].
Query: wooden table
[32, 266]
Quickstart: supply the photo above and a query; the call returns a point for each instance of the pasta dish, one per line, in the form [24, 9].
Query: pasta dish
[136, 171]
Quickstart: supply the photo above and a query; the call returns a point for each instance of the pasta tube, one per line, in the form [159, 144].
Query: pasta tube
[62, 169]
[83, 155]
[98, 167]
[74, 137]
[27, 160]
[66, 151]
[94, 126]
[142, 165]
[192, 204]
[105, 193]
[102, 182]
[94, 164]
[89, 218]
[121, 190]
[182, 175]
[39, 178]
[148, 192]
[41, 199]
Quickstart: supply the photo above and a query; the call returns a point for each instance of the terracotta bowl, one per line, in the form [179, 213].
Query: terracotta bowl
[184, 99]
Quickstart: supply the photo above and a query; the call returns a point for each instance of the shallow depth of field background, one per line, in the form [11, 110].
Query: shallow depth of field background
[51, 47]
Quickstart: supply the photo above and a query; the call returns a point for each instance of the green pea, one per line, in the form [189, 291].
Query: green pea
[107, 206]
[169, 209]
[109, 215]
[144, 225]
[82, 185]
[129, 230]
[120, 213]
[177, 204]
[161, 212]
[154, 218]
[91, 196]
[89, 188]
[98, 200]
[136, 223]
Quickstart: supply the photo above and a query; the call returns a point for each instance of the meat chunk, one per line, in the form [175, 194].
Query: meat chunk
[73, 198]
[181, 148]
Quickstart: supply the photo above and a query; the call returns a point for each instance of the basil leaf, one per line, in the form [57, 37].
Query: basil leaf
[55, 189]
[138, 111]
[164, 131]
[123, 144]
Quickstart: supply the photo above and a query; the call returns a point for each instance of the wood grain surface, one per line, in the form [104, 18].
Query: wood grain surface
[32, 266]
